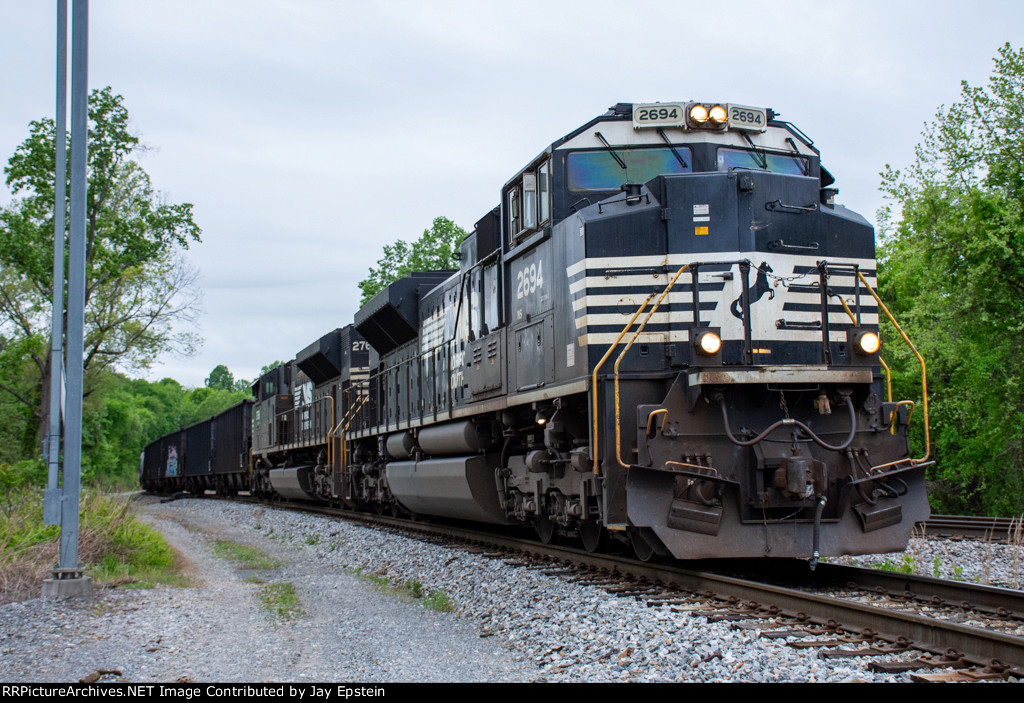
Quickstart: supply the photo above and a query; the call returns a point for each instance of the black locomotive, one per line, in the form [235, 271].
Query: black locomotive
[666, 333]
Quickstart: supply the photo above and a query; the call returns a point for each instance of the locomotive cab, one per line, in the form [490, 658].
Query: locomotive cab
[782, 419]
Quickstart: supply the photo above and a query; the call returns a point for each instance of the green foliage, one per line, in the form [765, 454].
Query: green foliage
[434, 250]
[136, 286]
[113, 545]
[281, 600]
[223, 380]
[124, 415]
[244, 556]
[439, 601]
[904, 566]
[952, 264]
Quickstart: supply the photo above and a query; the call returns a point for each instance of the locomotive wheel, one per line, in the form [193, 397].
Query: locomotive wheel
[641, 547]
[592, 535]
[545, 529]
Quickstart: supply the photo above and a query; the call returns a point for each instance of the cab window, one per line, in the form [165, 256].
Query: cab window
[762, 161]
[598, 170]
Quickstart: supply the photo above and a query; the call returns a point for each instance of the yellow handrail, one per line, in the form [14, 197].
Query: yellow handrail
[888, 373]
[593, 385]
[347, 420]
[618, 428]
[924, 370]
[650, 419]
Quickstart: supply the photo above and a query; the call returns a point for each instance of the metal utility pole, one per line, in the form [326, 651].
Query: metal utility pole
[52, 497]
[68, 578]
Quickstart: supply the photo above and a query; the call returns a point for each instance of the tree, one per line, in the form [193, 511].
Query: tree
[223, 380]
[952, 263]
[137, 285]
[220, 378]
[434, 250]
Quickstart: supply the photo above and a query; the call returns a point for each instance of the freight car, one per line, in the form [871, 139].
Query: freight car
[666, 333]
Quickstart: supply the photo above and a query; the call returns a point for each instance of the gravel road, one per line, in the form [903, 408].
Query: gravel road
[219, 631]
[509, 625]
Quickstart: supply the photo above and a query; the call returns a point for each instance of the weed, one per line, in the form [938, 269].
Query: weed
[439, 601]
[312, 539]
[958, 573]
[243, 556]
[409, 588]
[280, 599]
[254, 579]
[115, 546]
[906, 566]
[937, 566]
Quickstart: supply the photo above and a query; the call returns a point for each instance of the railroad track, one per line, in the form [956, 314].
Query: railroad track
[994, 529]
[959, 631]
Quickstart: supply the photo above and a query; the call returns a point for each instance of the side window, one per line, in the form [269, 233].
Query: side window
[491, 297]
[515, 221]
[529, 201]
[544, 192]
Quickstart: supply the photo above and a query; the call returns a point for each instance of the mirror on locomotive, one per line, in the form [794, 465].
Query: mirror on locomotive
[528, 201]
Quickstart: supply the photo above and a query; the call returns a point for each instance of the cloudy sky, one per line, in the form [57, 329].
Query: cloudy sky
[308, 134]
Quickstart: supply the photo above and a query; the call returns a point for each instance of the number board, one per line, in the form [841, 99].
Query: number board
[659, 115]
[749, 118]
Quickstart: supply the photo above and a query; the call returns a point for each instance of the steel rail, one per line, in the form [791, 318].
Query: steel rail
[978, 646]
[996, 528]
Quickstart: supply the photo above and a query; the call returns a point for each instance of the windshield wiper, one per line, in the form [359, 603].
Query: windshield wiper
[611, 151]
[801, 162]
[671, 146]
[759, 156]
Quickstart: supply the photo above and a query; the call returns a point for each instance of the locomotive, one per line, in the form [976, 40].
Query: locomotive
[665, 334]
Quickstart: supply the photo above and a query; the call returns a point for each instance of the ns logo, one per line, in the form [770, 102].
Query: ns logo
[755, 292]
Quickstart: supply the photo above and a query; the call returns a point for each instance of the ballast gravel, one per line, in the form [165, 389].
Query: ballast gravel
[509, 624]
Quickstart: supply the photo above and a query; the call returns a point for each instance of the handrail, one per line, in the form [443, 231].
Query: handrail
[593, 386]
[618, 427]
[650, 420]
[924, 376]
[310, 405]
[355, 410]
[924, 371]
[888, 372]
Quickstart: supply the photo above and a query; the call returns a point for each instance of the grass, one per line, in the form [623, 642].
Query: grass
[439, 601]
[281, 600]
[244, 556]
[116, 548]
[277, 598]
[410, 590]
[906, 566]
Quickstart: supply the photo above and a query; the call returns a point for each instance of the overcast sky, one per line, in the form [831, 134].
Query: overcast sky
[308, 134]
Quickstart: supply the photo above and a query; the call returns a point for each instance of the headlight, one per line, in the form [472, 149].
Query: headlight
[699, 114]
[707, 343]
[718, 115]
[867, 343]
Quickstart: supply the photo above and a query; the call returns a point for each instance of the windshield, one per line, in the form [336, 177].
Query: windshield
[762, 161]
[598, 170]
